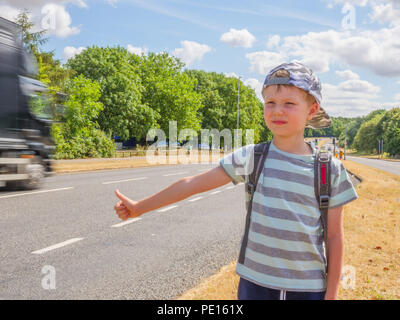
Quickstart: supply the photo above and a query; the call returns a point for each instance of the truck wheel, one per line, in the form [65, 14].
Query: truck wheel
[36, 172]
[36, 175]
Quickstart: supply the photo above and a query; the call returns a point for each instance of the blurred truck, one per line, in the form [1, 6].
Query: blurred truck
[25, 115]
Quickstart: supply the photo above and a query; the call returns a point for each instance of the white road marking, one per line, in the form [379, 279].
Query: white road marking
[118, 225]
[215, 192]
[195, 199]
[166, 209]
[133, 179]
[58, 245]
[174, 174]
[34, 192]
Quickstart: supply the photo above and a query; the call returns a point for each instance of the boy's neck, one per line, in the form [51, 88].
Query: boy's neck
[295, 145]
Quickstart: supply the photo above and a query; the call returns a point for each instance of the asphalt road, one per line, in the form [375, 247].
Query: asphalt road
[159, 256]
[65, 241]
[389, 166]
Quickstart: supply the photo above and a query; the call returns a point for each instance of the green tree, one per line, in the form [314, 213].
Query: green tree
[366, 139]
[169, 91]
[354, 125]
[49, 71]
[79, 136]
[374, 113]
[390, 124]
[220, 102]
[117, 72]
[31, 40]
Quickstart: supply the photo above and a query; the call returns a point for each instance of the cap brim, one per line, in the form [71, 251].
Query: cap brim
[320, 120]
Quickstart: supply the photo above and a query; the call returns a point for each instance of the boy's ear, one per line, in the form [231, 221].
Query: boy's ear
[312, 111]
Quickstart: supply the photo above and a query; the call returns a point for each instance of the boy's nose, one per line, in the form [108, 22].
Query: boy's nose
[278, 109]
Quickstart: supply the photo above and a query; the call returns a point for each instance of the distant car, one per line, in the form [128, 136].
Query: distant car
[204, 146]
[161, 144]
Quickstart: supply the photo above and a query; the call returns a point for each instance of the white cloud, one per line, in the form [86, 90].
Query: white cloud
[348, 75]
[8, 12]
[238, 38]
[32, 4]
[70, 52]
[262, 62]
[56, 20]
[385, 13]
[273, 41]
[376, 50]
[256, 86]
[112, 2]
[137, 50]
[361, 3]
[360, 86]
[191, 51]
[397, 97]
[80, 3]
[351, 98]
[231, 74]
[49, 15]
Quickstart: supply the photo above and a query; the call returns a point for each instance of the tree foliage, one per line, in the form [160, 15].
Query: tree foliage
[79, 136]
[370, 132]
[220, 101]
[169, 91]
[390, 131]
[31, 40]
[117, 72]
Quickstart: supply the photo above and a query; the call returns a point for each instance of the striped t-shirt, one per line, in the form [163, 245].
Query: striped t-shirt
[285, 249]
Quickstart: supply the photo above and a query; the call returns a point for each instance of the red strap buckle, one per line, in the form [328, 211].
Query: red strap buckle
[323, 173]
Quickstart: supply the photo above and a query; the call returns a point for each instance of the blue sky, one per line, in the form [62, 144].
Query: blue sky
[351, 45]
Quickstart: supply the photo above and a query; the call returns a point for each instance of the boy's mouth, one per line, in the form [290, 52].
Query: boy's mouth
[278, 122]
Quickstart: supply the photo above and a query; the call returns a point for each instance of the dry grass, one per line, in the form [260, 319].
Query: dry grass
[221, 286]
[72, 166]
[372, 226]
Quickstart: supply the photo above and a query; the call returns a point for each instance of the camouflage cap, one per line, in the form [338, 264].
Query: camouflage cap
[302, 77]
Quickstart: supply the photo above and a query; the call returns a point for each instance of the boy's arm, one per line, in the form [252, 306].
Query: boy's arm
[181, 189]
[335, 251]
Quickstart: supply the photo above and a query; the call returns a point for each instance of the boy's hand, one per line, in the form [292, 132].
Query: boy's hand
[125, 208]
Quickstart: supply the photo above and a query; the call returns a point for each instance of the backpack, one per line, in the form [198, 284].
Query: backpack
[322, 187]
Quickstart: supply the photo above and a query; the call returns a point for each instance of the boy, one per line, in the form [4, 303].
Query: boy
[284, 256]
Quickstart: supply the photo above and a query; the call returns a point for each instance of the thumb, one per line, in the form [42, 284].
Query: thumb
[123, 198]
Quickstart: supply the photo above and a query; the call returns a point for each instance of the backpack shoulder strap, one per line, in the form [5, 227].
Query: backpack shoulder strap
[322, 188]
[260, 154]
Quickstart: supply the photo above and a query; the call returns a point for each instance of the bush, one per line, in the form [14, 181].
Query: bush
[79, 136]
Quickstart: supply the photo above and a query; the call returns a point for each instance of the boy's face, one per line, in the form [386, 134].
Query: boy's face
[287, 111]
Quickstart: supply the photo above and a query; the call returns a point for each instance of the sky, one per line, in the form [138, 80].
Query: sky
[353, 46]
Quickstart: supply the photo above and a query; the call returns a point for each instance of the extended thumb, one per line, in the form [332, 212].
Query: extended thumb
[120, 196]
